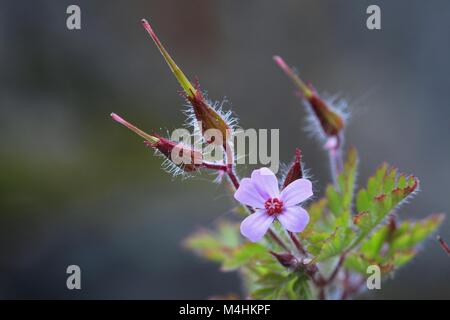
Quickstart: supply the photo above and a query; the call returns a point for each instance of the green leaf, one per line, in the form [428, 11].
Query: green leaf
[271, 285]
[357, 263]
[362, 201]
[335, 203]
[372, 247]
[384, 192]
[206, 245]
[284, 285]
[242, 255]
[333, 234]
[301, 288]
[335, 244]
[265, 293]
[340, 199]
[216, 245]
[409, 233]
[223, 245]
[401, 258]
[319, 220]
[391, 247]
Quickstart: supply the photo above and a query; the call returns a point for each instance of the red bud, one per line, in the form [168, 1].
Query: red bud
[295, 171]
[286, 259]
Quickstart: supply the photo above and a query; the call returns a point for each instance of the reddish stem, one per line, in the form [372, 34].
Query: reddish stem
[322, 295]
[233, 178]
[444, 245]
[278, 240]
[214, 166]
[345, 285]
[336, 269]
[297, 243]
[349, 289]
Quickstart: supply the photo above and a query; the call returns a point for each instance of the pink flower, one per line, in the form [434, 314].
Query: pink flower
[262, 193]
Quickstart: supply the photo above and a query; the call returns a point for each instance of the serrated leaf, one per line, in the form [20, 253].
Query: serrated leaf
[409, 234]
[362, 201]
[272, 285]
[340, 199]
[391, 247]
[372, 247]
[401, 258]
[335, 244]
[358, 262]
[316, 213]
[384, 191]
[301, 288]
[331, 234]
[334, 200]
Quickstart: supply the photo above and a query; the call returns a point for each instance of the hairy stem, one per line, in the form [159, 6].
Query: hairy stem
[297, 243]
[233, 178]
[214, 166]
[335, 156]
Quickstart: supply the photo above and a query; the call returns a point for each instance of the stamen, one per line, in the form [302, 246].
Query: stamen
[274, 206]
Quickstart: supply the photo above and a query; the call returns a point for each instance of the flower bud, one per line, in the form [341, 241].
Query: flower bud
[330, 121]
[285, 259]
[183, 156]
[207, 117]
[295, 171]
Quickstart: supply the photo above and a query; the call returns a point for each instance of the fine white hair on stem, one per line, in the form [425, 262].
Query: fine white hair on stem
[218, 106]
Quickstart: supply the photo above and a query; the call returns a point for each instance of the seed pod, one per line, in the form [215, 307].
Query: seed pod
[285, 259]
[182, 156]
[207, 117]
[331, 122]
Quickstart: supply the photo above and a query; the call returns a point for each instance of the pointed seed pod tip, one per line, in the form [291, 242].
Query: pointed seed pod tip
[179, 75]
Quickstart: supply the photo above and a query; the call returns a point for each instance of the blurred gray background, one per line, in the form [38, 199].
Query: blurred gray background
[76, 188]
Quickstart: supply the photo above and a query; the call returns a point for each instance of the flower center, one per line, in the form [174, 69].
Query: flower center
[273, 206]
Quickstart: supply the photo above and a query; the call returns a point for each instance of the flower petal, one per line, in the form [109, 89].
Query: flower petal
[294, 219]
[296, 192]
[266, 183]
[247, 194]
[255, 225]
